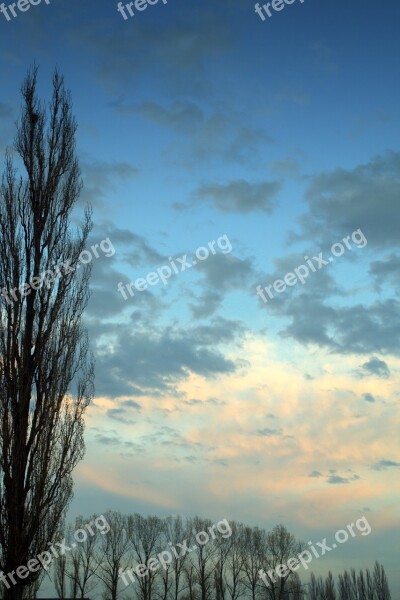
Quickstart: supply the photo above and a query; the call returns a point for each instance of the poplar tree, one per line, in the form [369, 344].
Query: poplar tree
[46, 370]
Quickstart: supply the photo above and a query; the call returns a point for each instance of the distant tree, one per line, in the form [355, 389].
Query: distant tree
[254, 551]
[112, 554]
[381, 585]
[235, 558]
[330, 590]
[82, 562]
[294, 590]
[280, 546]
[204, 560]
[362, 587]
[145, 538]
[313, 591]
[176, 532]
[369, 585]
[43, 346]
[346, 591]
[355, 589]
[190, 576]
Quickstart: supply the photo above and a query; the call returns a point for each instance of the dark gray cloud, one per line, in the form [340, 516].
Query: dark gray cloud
[344, 200]
[268, 432]
[240, 196]
[193, 402]
[101, 177]
[319, 285]
[334, 478]
[221, 274]
[175, 53]
[386, 271]
[132, 404]
[337, 480]
[121, 415]
[384, 464]
[181, 116]
[112, 437]
[154, 360]
[219, 331]
[315, 474]
[339, 203]
[202, 136]
[355, 329]
[368, 397]
[375, 366]
[125, 412]
[133, 248]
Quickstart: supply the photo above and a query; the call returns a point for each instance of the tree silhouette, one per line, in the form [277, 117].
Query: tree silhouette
[43, 346]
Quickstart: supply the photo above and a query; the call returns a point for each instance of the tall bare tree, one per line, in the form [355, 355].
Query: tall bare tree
[204, 559]
[83, 562]
[176, 531]
[235, 557]
[281, 545]
[381, 583]
[330, 590]
[46, 373]
[112, 555]
[255, 543]
[145, 536]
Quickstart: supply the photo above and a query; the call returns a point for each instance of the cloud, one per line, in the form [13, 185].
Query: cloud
[386, 270]
[132, 404]
[120, 414]
[178, 50]
[221, 274]
[102, 177]
[315, 474]
[350, 330]
[268, 432]
[199, 135]
[193, 402]
[153, 361]
[384, 464]
[134, 249]
[106, 440]
[368, 397]
[240, 196]
[375, 366]
[344, 200]
[336, 479]
[182, 116]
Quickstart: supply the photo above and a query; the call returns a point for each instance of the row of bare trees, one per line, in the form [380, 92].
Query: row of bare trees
[224, 568]
[351, 586]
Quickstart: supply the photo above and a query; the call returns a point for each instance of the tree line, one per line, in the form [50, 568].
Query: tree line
[221, 568]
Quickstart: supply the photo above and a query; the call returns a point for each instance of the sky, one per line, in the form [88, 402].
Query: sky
[251, 146]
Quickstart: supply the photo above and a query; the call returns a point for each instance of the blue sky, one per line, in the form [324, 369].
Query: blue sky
[198, 120]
